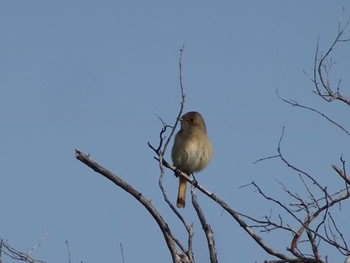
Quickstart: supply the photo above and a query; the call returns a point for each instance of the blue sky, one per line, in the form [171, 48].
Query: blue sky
[93, 75]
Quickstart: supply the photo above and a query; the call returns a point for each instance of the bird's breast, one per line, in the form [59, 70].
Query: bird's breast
[193, 155]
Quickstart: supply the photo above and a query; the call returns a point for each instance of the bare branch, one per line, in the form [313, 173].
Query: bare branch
[188, 227]
[182, 102]
[168, 236]
[12, 253]
[122, 252]
[322, 67]
[38, 244]
[341, 173]
[286, 162]
[69, 257]
[296, 104]
[206, 228]
[315, 208]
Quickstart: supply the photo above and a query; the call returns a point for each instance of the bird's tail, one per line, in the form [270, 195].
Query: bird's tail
[181, 196]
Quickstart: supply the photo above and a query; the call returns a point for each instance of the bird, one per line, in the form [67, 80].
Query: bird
[192, 150]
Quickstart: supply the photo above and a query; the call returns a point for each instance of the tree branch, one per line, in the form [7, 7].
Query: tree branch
[206, 228]
[313, 235]
[12, 253]
[322, 67]
[296, 104]
[168, 236]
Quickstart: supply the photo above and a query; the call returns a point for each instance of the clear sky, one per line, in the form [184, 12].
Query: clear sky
[93, 75]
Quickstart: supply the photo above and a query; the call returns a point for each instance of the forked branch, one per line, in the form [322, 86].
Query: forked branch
[323, 64]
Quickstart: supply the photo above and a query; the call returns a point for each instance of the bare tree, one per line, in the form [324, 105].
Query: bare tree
[312, 215]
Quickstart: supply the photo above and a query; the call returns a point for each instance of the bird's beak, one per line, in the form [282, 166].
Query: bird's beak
[179, 119]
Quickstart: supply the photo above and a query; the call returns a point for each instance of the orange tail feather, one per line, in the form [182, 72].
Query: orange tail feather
[181, 196]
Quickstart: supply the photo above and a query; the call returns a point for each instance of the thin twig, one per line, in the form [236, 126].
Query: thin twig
[296, 104]
[38, 244]
[323, 65]
[69, 257]
[182, 102]
[122, 252]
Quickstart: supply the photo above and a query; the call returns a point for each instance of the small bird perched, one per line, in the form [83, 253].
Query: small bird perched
[192, 150]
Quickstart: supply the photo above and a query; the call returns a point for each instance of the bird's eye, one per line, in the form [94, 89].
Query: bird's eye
[192, 120]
